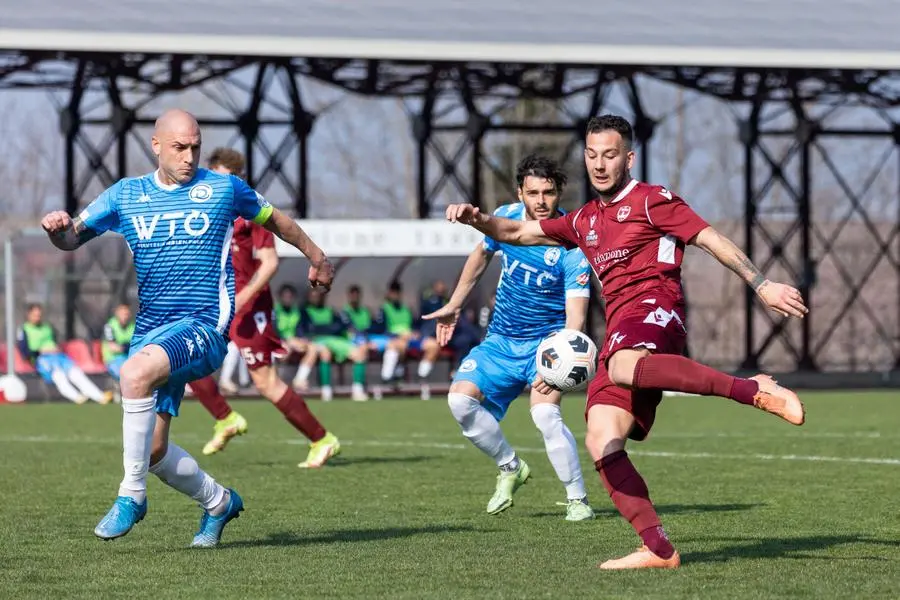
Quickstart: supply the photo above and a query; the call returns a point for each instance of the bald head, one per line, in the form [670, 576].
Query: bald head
[176, 143]
[176, 121]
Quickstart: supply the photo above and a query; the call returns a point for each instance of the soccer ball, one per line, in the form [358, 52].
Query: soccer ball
[567, 360]
[14, 389]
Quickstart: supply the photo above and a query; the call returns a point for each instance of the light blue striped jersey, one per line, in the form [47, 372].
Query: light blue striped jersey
[180, 236]
[534, 284]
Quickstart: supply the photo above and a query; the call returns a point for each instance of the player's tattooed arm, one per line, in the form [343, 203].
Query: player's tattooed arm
[727, 253]
[783, 299]
[65, 232]
[321, 271]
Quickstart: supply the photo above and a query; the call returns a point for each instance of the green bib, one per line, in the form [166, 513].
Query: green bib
[38, 337]
[398, 320]
[286, 321]
[320, 315]
[360, 317]
[121, 335]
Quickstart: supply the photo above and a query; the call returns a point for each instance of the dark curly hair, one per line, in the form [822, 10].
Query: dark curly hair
[536, 165]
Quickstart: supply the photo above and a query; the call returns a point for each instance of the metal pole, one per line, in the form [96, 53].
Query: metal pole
[10, 310]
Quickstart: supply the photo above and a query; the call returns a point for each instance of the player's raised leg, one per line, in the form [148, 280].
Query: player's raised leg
[482, 428]
[229, 423]
[323, 444]
[609, 426]
[639, 369]
[562, 450]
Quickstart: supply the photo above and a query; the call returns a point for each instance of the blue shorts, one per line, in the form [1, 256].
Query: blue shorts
[501, 367]
[379, 340]
[114, 366]
[46, 364]
[195, 350]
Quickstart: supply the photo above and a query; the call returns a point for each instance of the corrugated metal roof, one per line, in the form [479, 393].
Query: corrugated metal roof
[825, 33]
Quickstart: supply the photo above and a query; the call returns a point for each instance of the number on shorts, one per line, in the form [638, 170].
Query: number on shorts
[250, 357]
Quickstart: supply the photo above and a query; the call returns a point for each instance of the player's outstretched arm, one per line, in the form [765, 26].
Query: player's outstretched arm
[448, 315]
[509, 231]
[783, 299]
[321, 271]
[65, 232]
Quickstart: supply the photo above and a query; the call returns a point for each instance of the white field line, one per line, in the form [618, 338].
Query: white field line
[461, 446]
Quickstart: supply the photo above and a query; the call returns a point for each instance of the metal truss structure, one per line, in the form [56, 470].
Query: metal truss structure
[455, 107]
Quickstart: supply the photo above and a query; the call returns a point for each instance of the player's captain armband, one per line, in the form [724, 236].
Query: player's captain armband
[265, 212]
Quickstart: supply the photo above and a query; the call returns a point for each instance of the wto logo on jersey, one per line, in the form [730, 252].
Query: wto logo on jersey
[543, 277]
[194, 223]
[200, 193]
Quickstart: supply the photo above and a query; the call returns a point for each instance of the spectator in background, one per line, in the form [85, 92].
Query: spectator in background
[359, 322]
[287, 322]
[37, 342]
[396, 319]
[329, 332]
[117, 334]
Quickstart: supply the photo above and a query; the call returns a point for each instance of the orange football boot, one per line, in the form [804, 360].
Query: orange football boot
[778, 400]
[643, 558]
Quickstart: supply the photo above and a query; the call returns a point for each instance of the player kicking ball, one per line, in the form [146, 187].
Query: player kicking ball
[634, 236]
[255, 262]
[178, 223]
[541, 290]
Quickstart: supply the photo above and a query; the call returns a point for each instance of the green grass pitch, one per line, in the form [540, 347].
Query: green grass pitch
[757, 508]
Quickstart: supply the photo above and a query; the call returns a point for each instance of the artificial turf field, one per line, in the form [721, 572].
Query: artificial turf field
[757, 508]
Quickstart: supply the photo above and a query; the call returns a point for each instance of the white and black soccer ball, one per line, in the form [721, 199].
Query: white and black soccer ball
[567, 360]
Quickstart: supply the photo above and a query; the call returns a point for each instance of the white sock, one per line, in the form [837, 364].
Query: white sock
[230, 362]
[425, 367]
[562, 450]
[243, 373]
[358, 388]
[180, 471]
[303, 372]
[481, 428]
[138, 420]
[389, 364]
[64, 387]
[83, 383]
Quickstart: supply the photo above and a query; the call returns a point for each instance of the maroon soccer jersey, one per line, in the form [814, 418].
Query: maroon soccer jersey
[248, 238]
[634, 243]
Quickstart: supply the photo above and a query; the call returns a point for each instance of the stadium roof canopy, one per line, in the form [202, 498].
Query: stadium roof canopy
[460, 64]
[841, 34]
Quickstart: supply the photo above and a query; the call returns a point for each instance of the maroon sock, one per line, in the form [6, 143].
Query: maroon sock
[681, 374]
[295, 410]
[207, 392]
[629, 493]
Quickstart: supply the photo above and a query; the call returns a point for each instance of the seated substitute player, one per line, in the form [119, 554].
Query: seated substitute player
[634, 235]
[117, 334]
[287, 324]
[178, 223]
[541, 290]
[328, 331]
[396, 319]
[255, 263]
[37, 343]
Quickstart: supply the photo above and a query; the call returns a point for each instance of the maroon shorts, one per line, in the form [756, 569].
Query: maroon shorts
[256, 338]
[654, 322]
